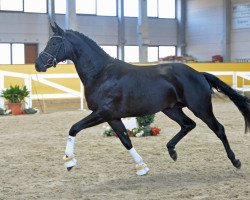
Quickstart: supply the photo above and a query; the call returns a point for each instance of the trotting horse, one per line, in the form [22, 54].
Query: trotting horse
[115, 89]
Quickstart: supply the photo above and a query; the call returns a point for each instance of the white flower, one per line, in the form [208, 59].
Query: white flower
[37, 110]
[107, 128]
[139, 134]
[7, 112]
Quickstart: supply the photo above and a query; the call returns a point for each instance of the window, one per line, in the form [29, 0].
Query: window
[92, 7]
[60, 6]
[15, 5]
[131, 54]
[161, 8]
[167, 51]
[152, 8]
[131, 8]
[166, 8]
[5, 53]
[17, 53]
[37, 6]
[106, 7]
[86, 6]
[111, 50]
[153, 54]
[96, 7]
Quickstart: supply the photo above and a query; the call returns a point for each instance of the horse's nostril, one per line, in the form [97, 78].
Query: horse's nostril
[40, 66]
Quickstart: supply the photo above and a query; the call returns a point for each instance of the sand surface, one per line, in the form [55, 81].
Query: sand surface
[32, 147]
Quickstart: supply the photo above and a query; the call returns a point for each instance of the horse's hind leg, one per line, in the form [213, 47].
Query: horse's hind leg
[121, 131]
[186, 124]
[207, 116]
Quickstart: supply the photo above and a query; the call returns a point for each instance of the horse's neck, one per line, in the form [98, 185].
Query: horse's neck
[88, 63]
[88, 71]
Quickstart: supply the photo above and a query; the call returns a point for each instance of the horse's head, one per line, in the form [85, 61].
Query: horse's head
[54, 52]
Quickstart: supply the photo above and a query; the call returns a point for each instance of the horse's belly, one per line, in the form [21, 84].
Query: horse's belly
[150, 101]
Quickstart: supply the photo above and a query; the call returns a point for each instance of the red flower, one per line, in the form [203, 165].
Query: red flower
[155, 131]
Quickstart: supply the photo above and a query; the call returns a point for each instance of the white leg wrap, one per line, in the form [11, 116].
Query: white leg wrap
[69, 157]
[137, 158]
[70, 146]
[141, 167]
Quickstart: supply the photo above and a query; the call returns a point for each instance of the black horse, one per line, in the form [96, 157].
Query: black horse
[115, 89]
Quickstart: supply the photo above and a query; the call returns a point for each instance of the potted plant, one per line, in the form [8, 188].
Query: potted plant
[15, 96]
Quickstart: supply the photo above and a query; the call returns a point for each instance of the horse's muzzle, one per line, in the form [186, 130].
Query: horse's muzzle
[40, 66]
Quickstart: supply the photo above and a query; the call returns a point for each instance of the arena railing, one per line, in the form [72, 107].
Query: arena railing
[70, 93]
[41, 78]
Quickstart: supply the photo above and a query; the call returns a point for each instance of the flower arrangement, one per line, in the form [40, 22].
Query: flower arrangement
[143, 130]
[145, 120]
[4, 111]
[180, 59]
[25, 111]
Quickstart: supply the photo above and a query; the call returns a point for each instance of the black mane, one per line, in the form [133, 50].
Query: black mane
[91, 43]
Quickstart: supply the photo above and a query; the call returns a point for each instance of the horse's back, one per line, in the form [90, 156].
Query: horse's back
[189, 85]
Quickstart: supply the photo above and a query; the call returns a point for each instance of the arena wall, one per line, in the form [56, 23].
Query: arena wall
[18, 27]
[204, 31]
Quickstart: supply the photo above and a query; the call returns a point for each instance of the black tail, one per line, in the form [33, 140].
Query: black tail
[242, 102]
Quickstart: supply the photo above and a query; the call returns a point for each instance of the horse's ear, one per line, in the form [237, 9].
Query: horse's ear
[56, 29]
[59, 30]
[53, 27]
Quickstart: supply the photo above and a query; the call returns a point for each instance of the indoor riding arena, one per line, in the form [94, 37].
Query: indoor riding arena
[125, 99]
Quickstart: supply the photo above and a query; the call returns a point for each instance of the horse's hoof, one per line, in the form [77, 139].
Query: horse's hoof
[142, 169]
[172, 154]
[70, 164]
[69, 168]
[237, 163]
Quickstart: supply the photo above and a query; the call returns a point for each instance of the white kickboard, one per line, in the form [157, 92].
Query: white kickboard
[130, 123]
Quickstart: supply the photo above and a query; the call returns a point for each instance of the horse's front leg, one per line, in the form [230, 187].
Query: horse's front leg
[89, 121]
[121, 131]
